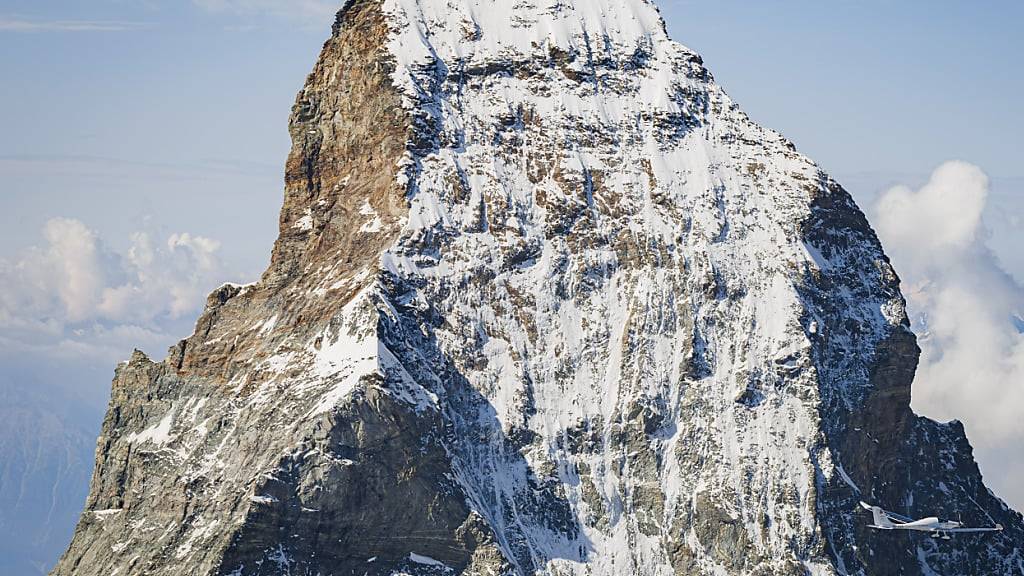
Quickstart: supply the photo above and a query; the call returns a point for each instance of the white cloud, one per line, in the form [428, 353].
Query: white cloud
[71, 308]
[71, 265]
[75, 280]
[964, 306]
[945, 214]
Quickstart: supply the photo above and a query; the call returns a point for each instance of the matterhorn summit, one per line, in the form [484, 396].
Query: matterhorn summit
[544, 301]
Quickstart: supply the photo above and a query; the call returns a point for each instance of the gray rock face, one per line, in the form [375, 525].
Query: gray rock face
[544, 301]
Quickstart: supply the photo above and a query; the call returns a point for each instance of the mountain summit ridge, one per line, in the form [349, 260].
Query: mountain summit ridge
[544, 301]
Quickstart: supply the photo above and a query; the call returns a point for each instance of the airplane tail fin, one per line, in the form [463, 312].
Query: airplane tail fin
[879, 517]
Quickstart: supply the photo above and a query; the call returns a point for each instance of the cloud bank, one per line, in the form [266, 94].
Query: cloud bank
[74, 297]
[967, 312]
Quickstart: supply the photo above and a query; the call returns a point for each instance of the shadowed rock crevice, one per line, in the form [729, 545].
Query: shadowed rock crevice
[372, 483]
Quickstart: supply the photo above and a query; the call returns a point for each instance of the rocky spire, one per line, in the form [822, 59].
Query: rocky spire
[544, 301]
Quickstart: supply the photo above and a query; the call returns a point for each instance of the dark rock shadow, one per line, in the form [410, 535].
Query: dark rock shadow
[532, 519]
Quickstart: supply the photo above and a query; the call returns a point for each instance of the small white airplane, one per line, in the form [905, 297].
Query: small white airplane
[885, 520]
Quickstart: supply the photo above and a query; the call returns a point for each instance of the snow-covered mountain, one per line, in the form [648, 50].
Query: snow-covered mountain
[544, 301]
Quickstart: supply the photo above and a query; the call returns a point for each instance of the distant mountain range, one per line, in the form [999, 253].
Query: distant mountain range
[46, 454]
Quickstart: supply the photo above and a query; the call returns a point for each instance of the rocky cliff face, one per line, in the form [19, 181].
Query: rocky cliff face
[545, 301]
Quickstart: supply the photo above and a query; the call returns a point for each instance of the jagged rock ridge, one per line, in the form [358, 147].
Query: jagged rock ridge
[545, 301]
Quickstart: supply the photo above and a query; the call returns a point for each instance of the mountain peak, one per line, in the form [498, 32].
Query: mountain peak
[544, 301]
[471, 29]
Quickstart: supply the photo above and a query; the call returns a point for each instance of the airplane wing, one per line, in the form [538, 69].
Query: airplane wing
[996, 528]
[891, 515]
[883, 519]
[898, 517]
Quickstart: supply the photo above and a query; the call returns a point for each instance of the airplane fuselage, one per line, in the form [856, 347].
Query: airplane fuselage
[929, 525]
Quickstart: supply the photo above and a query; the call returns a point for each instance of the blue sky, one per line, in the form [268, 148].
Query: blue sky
[169, 118]
[870, 85]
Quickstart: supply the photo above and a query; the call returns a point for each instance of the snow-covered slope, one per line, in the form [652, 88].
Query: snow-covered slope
[545, 301]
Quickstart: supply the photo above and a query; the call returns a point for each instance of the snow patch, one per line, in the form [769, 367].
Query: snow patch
[349, 355]
[427, 561]
[158, 434]
[104, 514]
[304, 224]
